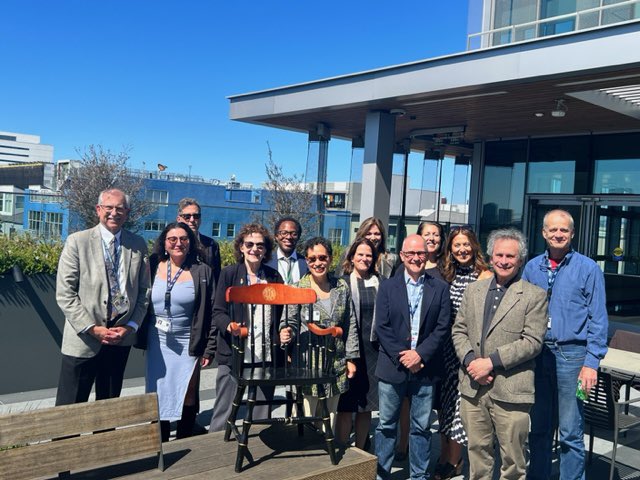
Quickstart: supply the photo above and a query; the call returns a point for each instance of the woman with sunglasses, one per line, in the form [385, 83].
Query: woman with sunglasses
[463, 263]
[334, 308]
[176, 330]
[252, 249]
[362, 397]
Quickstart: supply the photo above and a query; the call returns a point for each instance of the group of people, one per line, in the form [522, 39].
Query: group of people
[496, 348]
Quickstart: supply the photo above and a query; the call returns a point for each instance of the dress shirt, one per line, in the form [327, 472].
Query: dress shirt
[415, 292]
[284, 265]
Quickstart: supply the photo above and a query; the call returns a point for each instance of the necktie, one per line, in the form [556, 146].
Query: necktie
[112, 265]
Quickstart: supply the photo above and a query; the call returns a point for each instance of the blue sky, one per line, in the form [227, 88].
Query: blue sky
[154, 75]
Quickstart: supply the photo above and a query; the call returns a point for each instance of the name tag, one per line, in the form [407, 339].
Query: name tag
[120, 304]
[163, 324]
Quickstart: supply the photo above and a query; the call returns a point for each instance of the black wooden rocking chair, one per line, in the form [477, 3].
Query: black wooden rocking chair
[309, 361]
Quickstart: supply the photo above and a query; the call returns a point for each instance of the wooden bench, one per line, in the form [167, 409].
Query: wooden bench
[57, 440]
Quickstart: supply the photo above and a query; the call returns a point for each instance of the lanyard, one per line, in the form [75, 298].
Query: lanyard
[552, 273]
[170, 283]
[416, 294]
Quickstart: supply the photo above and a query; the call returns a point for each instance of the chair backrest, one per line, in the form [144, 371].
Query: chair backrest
[599, 408]
[271, 306]
[626, 340]
[87, 435]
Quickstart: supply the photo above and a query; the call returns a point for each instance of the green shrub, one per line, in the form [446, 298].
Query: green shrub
[226, 253]
[32, 255]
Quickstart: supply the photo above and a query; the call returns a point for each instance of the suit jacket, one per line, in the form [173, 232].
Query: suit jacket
[301, 262]
[233, 276]
[82, 288]
[204, 286]
[516, 333]
[393, 328]
[211, 251]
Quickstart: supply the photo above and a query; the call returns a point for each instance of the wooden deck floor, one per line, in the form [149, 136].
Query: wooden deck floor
[277, 452]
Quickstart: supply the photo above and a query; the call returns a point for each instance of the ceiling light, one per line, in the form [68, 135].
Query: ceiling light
[398, 112]
[539, 114]
[560, 110]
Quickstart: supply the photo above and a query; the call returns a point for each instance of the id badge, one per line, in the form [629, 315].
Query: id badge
[549, 323]
[316, 316]
[163, 324]
[120, 304]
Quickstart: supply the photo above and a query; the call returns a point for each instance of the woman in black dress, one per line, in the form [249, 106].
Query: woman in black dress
[361, 399]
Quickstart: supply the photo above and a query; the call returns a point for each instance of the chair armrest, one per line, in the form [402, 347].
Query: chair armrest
[316, 330]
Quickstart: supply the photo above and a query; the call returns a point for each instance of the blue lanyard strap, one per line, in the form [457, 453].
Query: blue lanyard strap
[170, 283]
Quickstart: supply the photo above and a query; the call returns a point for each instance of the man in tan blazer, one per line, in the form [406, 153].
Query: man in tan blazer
[497, 333]
[102, 288]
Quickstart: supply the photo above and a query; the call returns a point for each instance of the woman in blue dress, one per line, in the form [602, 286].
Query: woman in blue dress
[177, 327]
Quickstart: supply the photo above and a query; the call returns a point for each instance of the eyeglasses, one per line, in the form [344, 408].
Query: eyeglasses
[111, 208]
[174, 240]
[322, 258]
[189, 216]
[257, 246]
[411, 254]
[287, 233]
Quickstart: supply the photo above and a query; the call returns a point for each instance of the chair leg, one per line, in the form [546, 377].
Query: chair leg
[231, 421]
[299, 409]
[288, 411]
[326, 420]
[246, 425]
[613, 452]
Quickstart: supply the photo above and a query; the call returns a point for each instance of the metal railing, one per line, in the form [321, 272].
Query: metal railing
[597, 17]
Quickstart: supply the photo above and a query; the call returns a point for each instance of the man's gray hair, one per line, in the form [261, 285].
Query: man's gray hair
[561, 212]
[187, 202]
[508, 234]
[111, 191]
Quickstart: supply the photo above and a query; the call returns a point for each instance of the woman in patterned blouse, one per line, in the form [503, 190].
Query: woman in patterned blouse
[463, 263]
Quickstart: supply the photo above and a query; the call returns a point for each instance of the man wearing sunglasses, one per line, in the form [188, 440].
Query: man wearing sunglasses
[286, 260]
[411, 323]
[189, 212]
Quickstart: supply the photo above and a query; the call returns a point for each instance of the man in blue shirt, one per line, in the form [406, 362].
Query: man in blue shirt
[575, 342]
[412, 322]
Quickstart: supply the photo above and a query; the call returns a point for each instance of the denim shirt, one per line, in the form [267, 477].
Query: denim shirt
[577, 306]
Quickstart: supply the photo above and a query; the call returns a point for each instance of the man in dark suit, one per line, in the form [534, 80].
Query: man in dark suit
[291, 266]
[497, 333]
[189, 212]
[412, 321]
[102, 288]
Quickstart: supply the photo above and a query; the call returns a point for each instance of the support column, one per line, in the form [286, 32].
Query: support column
[377, 166]
[317, 157]
[475, 193]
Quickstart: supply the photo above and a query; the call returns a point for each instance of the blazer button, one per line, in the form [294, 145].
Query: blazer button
[478, 344]
[104, 302]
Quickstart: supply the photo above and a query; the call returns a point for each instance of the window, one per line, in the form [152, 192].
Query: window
[335, 235]
[155, 225]
[231, 230]
[35, 221]
[215, 229]
[334, 200]
[53, 224]
[158, 197]
[6, 203]
[19, 203]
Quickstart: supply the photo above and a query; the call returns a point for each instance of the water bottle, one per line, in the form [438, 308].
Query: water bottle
[581, 393]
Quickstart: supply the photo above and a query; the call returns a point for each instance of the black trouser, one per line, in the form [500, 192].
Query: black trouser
[77, 375]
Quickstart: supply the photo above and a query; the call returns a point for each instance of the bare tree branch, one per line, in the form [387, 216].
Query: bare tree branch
[101, 169]
[289, 197]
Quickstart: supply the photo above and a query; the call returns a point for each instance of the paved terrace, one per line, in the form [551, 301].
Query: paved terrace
[628, 459]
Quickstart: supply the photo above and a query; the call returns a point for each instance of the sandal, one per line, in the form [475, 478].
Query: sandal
[446, 471]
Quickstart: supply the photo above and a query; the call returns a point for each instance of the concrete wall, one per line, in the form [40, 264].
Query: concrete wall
[31, 332]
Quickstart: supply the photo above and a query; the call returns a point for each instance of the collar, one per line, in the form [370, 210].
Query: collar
[280, 254]
[107, 235]
[494, 283]
[409, 281]
[544, 263]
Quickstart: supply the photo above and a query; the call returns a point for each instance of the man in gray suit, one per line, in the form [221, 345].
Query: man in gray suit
[103, 290]
[497, 333]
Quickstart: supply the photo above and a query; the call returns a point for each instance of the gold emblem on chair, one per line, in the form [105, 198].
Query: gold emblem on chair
[269, 294]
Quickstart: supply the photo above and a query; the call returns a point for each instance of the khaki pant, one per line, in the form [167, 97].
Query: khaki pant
[484, 420]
